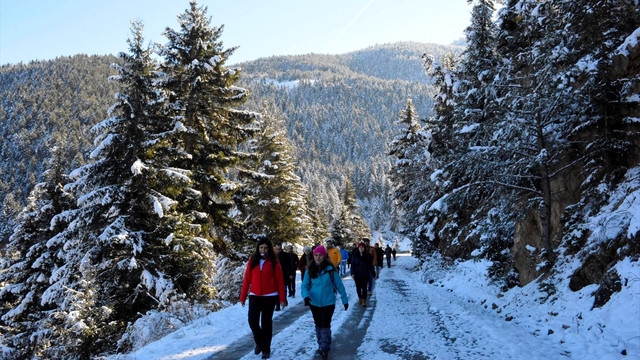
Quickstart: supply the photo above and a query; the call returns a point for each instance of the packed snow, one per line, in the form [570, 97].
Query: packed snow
[437, 312]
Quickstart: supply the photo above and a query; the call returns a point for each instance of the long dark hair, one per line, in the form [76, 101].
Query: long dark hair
[271, 255]
[314, 269]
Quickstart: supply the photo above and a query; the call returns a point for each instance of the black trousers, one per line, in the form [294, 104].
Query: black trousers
[262, 307]
[291, 286]
[361, 287]
[322, 315]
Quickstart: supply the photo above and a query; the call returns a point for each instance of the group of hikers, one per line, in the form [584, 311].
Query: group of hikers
[271, 274]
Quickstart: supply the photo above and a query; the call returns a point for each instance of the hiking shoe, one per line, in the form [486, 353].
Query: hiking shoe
[266, 355]
[257, 350]
[323, 355]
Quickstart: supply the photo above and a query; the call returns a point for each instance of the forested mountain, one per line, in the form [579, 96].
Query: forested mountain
[341, 112]
[338, 110]
[46, 104]
[522, 149]
[134, 188]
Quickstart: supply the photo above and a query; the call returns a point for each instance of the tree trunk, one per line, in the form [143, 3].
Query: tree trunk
[545, 210]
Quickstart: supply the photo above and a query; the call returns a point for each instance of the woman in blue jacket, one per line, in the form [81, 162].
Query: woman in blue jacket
[319, 287]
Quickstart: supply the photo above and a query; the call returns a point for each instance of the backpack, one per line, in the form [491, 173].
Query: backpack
[333, 282]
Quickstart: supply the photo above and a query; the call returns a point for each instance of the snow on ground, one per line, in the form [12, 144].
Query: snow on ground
[441, 313]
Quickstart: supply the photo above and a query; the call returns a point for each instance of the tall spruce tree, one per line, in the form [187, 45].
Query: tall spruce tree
[533, 132]
[410, 169]
[126, 248]
[488, 224]
[349, 227]
[277, 206]
[202, 93]
[30, 261]
[427, 236]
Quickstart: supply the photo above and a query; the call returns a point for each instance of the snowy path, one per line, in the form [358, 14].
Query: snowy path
[405, 319]
[414, 320]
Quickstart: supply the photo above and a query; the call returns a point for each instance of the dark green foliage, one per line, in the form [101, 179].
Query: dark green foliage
[535, 119]
[202, 93]
[30, 260]
[275, 197]
[349, 228]
[46, 102]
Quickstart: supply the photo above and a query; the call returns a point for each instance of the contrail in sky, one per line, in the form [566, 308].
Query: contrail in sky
[344, 29]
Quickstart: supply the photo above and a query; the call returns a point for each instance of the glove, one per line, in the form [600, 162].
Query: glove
[307, 301]
[346, 306]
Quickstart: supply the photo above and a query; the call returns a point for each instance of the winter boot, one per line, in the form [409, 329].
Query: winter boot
[318, 338]
[323, 354]
[325, 341]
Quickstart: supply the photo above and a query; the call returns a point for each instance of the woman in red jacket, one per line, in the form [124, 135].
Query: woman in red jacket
[264, 284]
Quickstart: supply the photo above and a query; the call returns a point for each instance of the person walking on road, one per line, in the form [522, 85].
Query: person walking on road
[264, 285]
[379, 260]
[343, 264]
[387, 254]
[305, 260]
[393, 251]
[374, 258]
[287, 272]
[294, 265]
[334, 254]
[361, 271]
[319, 287]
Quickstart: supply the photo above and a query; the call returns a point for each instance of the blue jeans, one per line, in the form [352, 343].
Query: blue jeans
[343, 267]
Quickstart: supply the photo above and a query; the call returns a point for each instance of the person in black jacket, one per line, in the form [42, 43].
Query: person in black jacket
[285, 264]
[294, 265]
[387, 254]
[361, 269]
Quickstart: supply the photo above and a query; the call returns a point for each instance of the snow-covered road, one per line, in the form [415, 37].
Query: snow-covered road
[407, 318]
[414, 320]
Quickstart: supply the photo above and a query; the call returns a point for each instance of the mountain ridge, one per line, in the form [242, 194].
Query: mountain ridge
[54, 103]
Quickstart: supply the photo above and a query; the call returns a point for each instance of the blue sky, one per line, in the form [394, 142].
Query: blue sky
[46, 29]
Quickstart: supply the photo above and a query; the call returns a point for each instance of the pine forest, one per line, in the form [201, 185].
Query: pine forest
[134, 188]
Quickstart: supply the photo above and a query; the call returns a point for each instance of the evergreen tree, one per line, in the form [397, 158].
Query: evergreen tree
[202, 93]
[533, 133]
[349, 227]
[318, 221]
[412, 164]
[126, 248]
[429, 236]
[475, 169]
[277, 206]
[342, 231]
[30, 261]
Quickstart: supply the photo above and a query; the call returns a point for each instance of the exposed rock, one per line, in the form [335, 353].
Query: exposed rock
[528, 233]
[610, 284]
[594, 268]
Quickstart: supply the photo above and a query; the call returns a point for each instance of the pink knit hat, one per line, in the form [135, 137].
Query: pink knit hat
[321, 250]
